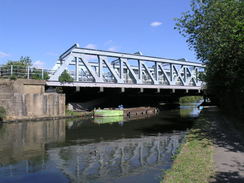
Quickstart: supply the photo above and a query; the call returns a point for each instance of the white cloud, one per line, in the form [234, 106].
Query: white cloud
[91, 46]
[112, 48]
[38, 64]
[90, 57]
[109, 42]
[3, 54]
[155, 24]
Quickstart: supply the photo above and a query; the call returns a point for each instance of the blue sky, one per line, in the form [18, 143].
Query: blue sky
[43, 29]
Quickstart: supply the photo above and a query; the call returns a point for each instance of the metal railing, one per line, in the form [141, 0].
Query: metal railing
[24, 72]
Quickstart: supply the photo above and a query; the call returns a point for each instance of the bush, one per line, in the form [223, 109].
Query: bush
[65, 77]
[2, 113]
[13, 77]
[190, 99]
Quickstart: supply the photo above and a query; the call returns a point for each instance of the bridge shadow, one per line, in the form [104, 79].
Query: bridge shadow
[223, 132]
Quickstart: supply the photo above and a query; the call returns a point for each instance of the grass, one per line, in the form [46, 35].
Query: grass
[194, 162]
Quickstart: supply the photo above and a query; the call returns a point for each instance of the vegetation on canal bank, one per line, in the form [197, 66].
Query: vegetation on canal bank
[194, 162]
[2, 113]
[215, 30]
[190, 99]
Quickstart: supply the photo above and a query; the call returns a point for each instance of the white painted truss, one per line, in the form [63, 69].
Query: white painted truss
[105, 67]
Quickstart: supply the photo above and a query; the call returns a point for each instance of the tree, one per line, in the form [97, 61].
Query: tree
[65, 77]
[22, 62]
[215, 30]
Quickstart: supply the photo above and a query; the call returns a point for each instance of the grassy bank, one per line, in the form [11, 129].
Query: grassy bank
[193, 163]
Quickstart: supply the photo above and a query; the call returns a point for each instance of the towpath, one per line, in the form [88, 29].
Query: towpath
[228, 149]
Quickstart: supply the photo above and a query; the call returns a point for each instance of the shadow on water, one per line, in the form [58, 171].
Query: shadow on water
[85, 151]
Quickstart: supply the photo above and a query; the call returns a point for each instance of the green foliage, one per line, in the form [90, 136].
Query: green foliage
[65, 77]
[190, 99]
[215, 30]
[59, 90]
[13, 77]
[37, 74]
[2, 113]
[22, 62]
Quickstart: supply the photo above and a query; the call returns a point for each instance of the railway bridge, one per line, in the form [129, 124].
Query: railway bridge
[106, 69]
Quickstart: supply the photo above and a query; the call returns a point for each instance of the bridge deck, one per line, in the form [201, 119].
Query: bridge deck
[119, 85]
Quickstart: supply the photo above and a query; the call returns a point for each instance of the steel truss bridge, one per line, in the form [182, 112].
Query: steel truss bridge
[106, 69]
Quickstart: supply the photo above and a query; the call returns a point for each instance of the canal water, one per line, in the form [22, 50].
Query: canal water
[93, 150]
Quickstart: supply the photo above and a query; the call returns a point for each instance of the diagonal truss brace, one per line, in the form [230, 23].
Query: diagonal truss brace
[60, 69]
[89, 68]
[110, 67]
[141, 63]
[178, 75]
[137, 79]
[159, 65]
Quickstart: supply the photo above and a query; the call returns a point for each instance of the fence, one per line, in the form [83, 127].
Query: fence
[25, 72]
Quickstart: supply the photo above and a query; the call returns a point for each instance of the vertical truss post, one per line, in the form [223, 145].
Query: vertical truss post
[171, 73]
[42, 74]
[100, 68]
[139, 70]
[28, 72]
[11, 70]
[76, 69]
[185, 74]
[156, 71]
[121, 69]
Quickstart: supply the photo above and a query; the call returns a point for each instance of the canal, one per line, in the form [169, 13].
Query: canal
[93, 150]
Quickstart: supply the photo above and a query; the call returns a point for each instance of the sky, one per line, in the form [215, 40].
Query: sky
[44, 29]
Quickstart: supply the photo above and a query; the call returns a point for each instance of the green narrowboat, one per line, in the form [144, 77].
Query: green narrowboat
[108, 112]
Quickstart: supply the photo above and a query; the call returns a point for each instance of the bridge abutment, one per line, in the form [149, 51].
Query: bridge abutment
[26, 99]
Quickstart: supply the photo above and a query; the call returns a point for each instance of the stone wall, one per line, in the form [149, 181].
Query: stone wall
[27, 99]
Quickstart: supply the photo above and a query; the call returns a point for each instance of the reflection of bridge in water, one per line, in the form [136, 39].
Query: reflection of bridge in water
[110, 160]
[33, 148]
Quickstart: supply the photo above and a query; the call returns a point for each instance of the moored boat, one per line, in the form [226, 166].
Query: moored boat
[108, 112]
